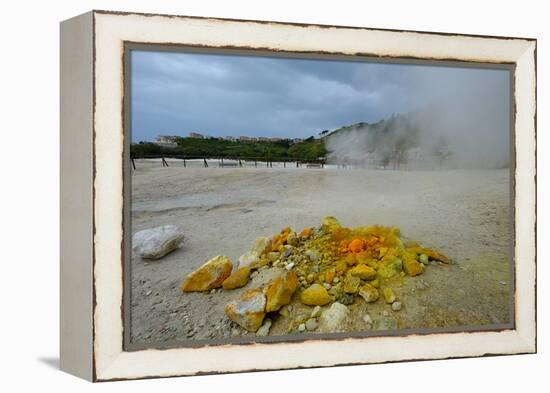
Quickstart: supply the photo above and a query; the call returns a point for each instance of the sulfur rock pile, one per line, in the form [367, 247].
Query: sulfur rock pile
[326, 268]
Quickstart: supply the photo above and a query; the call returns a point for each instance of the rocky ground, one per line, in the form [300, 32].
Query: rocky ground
[463, 214]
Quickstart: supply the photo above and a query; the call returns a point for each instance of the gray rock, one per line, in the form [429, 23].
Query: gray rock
[264, 329]
[312, 255]
[332, 319]
[156, 242]
[312, 324]
[344, 298]
[396, 306]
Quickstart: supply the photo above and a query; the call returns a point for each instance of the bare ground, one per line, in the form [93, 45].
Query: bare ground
[464, 214]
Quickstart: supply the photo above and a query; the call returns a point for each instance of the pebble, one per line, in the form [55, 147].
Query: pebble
[316, 312]
[503, 282]
[302, 327]
[327, 285]
[423, 258]
[213, 290]
[289, 266]
[312, 255]
[367, 318]
[264, 329]
[333, 318]
[385, 313]
[336, 280]
[396, 306]
[284, 312]
[148, 293]
[287, 252]
[235, 332]
[311, 324]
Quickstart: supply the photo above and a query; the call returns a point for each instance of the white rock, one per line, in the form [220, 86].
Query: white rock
[252, 255]
[327, 285]
[312, 324]
[396, 306]
[332, 318]
[367, 319]
[264, 329]
[302, 327]
[316, 312]
[289, 266]
[156, 242]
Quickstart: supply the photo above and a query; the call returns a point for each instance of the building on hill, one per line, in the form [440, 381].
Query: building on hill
[166, 141]
[244, 138]
[195, 135]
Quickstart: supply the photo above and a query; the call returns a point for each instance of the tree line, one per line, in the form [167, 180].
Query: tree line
[308, 150]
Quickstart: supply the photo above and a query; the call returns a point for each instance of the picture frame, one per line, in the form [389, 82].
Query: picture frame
[94, 193]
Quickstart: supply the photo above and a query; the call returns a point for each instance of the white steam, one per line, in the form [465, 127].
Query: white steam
[453, 124]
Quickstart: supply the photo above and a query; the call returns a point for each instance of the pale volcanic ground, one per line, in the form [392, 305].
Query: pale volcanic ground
[464, 214]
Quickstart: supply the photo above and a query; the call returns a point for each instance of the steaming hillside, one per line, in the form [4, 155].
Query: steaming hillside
[435, 139]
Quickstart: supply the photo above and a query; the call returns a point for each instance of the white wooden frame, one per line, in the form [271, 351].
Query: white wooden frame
[92, 150]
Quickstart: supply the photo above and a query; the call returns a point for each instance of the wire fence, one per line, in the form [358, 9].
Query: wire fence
[227, 161]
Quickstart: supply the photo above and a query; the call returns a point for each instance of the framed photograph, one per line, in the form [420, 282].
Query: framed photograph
[245, 195]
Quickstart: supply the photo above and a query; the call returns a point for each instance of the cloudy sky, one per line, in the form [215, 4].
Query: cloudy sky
[222, 95]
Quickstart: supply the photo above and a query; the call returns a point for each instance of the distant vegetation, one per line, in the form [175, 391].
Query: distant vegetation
[309, 149]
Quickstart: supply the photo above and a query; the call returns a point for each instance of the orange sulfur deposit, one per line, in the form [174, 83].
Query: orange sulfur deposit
[328, 264]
